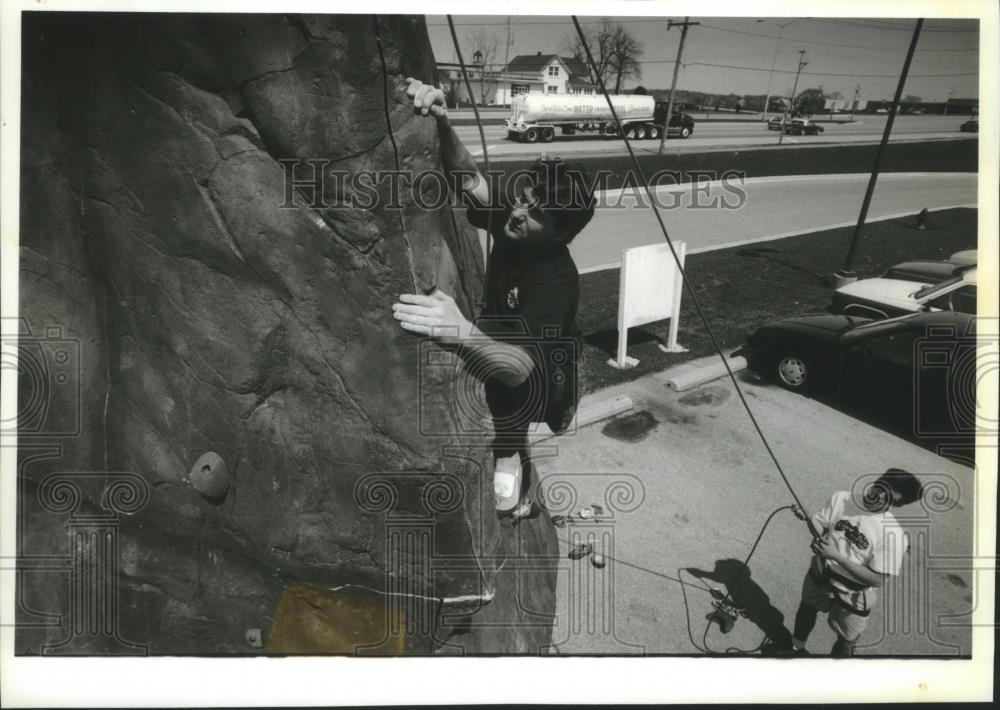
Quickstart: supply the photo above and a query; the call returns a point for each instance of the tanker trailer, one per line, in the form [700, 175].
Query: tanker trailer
[535, 117]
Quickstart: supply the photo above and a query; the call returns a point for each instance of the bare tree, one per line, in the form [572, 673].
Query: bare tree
[624, 51]
[598, 40]
[483, 45]
[616, 52]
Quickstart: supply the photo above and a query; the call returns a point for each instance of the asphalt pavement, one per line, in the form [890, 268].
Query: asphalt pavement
[685, 486]
[715, 134]
[762, 209]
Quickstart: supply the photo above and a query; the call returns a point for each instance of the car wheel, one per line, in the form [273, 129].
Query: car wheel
[792, 371]
[685, 132]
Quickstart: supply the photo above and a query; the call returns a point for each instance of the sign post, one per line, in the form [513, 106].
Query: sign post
[649, 290]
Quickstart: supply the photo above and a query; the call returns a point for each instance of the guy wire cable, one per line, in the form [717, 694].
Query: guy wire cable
[395, 148]
[680, 268]
[482, 140]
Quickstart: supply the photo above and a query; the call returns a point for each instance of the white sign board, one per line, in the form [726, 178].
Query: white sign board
[649, 289]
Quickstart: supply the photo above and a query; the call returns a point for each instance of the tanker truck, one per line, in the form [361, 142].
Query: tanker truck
[535, 117]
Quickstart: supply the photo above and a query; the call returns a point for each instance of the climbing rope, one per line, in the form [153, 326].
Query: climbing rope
[482, 141]
[697, 305]
[680, 269]
[395, 147]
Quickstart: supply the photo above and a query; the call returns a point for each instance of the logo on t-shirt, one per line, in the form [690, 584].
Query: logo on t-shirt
[852, 534]
[512, 301]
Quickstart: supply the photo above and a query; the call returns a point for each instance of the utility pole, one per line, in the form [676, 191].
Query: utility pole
[506, 61]
[673, 84]
[854, 101]
[774, 59]
[846, 275]
[791, 102]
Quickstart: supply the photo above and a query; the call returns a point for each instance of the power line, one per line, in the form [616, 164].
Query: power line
[830, 44]
[870, 25]
[811, 73]
[647, 20]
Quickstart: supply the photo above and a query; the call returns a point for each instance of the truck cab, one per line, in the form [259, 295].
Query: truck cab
[681, 124]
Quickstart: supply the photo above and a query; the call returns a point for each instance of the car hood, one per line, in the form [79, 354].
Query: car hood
[891, 292]
[817, 325]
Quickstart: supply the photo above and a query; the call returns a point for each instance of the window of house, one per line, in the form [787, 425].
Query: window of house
[553, 89]
[554, 70]
[516, 89]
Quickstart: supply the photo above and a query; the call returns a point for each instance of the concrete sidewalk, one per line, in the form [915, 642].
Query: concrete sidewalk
[685, 482]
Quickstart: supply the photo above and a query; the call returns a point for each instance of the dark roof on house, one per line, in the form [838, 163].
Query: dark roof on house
[534, 63]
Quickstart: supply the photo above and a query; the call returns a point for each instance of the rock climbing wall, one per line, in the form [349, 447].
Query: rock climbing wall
[181, 296]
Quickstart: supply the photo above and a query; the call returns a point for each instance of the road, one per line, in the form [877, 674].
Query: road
[715, 134]
[685, 483]
[773, 207]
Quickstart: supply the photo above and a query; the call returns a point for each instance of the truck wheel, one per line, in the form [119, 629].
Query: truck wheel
[654, 132]
[685, 132]
[548, 134]
[531, 135]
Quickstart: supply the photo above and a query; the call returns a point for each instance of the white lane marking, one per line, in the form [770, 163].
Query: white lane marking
[736, 180]
[792, 140]
[783, 235]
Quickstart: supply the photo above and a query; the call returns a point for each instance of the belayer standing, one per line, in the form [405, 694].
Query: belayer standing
[524, 344]
[859, 548]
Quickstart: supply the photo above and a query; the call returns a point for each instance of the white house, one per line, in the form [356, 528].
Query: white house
[525, 73]
[543, 74]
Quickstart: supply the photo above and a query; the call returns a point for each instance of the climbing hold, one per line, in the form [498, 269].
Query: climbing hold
[209, 475]
[254, 637]
[597, 560]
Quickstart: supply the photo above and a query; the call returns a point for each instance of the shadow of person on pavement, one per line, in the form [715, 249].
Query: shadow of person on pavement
[746, 594]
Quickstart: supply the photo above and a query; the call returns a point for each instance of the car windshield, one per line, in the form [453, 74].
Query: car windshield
[933, 289]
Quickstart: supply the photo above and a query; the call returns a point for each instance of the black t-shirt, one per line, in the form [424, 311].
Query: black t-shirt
[532, 295]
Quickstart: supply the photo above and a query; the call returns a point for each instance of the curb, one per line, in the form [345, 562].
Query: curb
[700, 371]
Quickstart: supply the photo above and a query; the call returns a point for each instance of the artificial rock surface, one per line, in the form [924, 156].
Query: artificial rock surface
[179, 296]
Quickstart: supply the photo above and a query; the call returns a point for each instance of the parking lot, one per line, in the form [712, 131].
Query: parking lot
[686, 486]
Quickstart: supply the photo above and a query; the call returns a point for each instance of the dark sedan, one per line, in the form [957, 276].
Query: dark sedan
[970, 126]
[802, 127]
[917, 371]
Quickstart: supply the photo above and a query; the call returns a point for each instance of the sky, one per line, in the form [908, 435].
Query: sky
[735, 55]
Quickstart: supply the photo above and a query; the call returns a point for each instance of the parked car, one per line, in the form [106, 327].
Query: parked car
[927, 272]
[919, 370]
[970, 126]
[966, 256]
[802, 126]
[775, 123]
[888, 298]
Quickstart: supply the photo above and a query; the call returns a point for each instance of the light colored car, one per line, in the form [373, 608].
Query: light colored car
[888, 298]
[964, 257]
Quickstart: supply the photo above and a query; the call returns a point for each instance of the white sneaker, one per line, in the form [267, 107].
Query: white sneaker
[507, 482]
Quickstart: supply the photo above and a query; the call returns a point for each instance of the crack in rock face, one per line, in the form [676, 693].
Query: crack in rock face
[191, 299]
